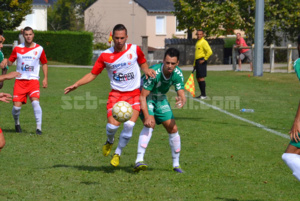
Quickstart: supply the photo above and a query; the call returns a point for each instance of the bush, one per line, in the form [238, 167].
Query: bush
[63, 46]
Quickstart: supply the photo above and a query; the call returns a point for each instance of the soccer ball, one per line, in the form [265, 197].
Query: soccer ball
[122, 111]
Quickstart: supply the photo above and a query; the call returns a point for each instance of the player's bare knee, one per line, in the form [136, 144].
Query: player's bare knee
[172, 129]
[2, 143]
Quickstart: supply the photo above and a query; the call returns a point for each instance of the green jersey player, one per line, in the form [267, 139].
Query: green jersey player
[156, 108]
[292, 154]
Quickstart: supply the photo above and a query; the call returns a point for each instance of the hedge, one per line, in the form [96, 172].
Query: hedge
[63, 46]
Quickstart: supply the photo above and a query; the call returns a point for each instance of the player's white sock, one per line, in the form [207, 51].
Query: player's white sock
[37, 113]
[16, 114]
[125, 136]
[110, 132]
[293, 161]
[144, 139]
[175, 144]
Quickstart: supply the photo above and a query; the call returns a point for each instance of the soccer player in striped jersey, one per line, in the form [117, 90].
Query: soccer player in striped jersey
[122, 62]
[292, 154]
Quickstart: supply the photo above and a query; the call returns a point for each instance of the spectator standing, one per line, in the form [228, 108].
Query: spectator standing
[243, 53]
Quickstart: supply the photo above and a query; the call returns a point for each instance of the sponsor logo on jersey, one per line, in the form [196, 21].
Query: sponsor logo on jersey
[27, 68]
[118, 65]
[35, 53]
[123, 77]
[26, 57]
[129, 56]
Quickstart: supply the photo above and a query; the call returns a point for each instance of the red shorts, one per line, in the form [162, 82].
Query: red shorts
[24, 88]
[132, 97]
[0, 130]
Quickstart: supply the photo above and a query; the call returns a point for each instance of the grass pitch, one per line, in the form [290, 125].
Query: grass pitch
[224, 158]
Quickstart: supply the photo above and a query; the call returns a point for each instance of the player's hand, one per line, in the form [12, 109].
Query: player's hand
[150, 73]
[149, 121]
[71, 88]
[179, 103]
[4, 97]
[201, 61]
[294, 131]
[12, 75]
[45, 83]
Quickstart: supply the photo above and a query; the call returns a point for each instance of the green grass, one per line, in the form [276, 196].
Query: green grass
[224, 158]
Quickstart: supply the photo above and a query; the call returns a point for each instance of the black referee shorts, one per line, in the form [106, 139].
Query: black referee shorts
[201, 69]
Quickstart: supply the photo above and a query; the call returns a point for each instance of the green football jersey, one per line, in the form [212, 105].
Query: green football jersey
[1, 56]
[160, 84]
[297, 67]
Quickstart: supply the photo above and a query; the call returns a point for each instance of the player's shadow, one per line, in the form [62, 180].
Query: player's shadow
[11, 131]
[234, 199]
[106, 169]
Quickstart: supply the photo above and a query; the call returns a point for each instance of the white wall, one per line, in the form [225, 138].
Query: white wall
[37, 20]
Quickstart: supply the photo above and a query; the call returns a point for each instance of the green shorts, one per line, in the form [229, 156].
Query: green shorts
[159, 108]
[296, 144]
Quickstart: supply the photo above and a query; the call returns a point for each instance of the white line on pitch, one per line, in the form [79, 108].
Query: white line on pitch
[241, 118]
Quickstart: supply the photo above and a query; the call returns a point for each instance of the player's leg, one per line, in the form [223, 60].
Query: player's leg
[292, 158]
[144, 140]
[133, 98]
[19, 98]
[175, 143]
[2, 140]
[111, 129]
[38, 113]
[125, 137]
[16, 110]
[34, 95]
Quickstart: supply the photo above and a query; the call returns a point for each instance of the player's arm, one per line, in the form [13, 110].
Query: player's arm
[45, 71]
[180, 99]
[84, 80]
[9, 76]
[148, 119]
[296, 127]
[148, 71]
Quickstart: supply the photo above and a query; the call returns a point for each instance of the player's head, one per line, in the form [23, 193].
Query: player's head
[119, 37]
[171, 60]
[119, 27]
[28, 35]
[200, 34]
[238, 35]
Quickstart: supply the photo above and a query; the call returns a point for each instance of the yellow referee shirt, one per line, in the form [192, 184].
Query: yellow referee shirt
[202, 50]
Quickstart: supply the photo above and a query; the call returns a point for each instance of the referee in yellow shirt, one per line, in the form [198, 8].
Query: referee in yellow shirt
[202, 53]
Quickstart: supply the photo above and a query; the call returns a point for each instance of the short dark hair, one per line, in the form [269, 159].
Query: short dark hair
[1, 32]
[119, 27]
[27, 29]
[172, 52]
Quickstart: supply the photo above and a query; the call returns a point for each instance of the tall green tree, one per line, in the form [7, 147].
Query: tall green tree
[13, 12]
[68, 14]
[220, 17]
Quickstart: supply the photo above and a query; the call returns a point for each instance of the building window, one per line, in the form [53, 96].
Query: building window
[177, 30]
[160, 25]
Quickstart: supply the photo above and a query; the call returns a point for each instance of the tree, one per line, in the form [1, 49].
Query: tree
[68, 14]
[13, 12]
[213, 17]
[220, 17]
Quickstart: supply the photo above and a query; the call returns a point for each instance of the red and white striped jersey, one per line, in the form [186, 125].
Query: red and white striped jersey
[123, 67]
[28, 63]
